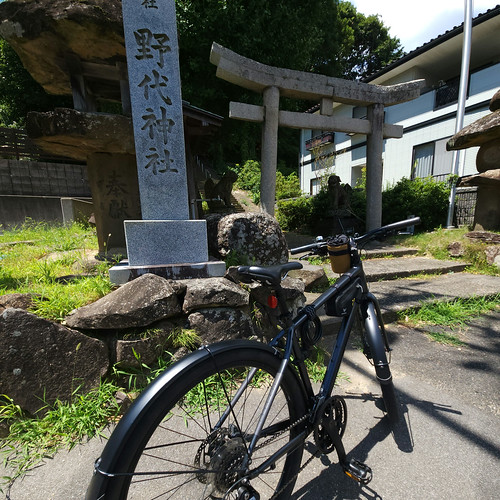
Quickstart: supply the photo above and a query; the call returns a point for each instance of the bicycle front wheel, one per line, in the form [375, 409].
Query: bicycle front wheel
[192, 441]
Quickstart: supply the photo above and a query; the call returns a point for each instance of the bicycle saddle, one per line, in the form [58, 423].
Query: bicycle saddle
[269, 274]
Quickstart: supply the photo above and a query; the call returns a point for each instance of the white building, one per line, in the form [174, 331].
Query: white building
[428, 121]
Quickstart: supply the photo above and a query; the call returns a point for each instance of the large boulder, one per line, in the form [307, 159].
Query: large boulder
[254, 237]
[41, 361]
[213, 292]
[138, 303]
[214, 325]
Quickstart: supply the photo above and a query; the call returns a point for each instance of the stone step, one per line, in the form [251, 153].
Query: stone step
[404, 267]
[387, 251]
[377, 269]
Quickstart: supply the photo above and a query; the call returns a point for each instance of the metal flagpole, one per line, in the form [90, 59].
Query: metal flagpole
[462, 96]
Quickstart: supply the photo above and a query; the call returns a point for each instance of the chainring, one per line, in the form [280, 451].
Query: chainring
[332, 417]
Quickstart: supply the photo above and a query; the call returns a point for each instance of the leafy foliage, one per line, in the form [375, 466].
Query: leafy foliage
[294, 215]
[365, 47]
[423, 197]
[322, 36]
[287, 186]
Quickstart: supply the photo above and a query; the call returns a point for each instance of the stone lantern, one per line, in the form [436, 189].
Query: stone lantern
[484, 133]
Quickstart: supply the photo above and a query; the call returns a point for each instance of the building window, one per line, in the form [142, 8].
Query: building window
[359, 112]
[315, 186]
[432, 159]
[447, 93]
[423, 160]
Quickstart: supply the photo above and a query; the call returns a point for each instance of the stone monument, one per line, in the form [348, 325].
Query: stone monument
[165, 236]
[484, 133]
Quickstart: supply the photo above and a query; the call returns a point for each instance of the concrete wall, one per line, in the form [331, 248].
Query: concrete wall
[41, 192]
[14, 210]
[32, 178]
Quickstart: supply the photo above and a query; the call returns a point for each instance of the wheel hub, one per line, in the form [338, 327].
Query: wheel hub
[220, 457]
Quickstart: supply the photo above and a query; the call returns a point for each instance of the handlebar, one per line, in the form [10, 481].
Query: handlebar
[307, 248]
[370, 235]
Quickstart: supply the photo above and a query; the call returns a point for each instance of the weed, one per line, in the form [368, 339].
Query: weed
[236, 258]
[318, 260]
[33, 439]
[316, 366]
[435, 244]
[26, 268]
[185, 337]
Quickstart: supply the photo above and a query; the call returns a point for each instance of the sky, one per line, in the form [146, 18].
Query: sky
[415, 23]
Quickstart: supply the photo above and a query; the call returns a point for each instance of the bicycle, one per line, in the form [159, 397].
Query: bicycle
[230, 420]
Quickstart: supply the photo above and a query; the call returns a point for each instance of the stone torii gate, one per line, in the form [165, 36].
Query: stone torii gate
[274, 83]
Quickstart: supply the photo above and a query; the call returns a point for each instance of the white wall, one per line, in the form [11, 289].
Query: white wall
[421, 124]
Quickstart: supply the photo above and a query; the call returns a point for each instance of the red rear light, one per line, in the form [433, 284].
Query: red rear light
[272, 301]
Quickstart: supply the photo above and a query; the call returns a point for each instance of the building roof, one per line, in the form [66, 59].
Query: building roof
[447, 49]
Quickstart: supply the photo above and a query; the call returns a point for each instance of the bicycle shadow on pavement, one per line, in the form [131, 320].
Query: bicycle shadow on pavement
[331, 483]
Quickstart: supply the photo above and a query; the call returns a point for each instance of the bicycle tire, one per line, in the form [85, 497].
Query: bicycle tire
[376, 343]
[202, 454]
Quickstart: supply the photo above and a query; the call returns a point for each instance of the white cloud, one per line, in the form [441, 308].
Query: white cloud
[415, 23]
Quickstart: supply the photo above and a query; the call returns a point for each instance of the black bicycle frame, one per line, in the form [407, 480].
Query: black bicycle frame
[361, 301]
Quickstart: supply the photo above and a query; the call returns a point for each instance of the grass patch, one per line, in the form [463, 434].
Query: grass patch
[445, 338]
[34, 255]
[451, 314]
[435, 244]
[31, 440]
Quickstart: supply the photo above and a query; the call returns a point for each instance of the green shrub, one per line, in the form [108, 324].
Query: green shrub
[295, 214]
[423, 197]
[287, 186]
[248, 175]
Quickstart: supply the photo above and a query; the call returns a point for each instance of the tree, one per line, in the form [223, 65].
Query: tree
[366, 45]
[323, 36]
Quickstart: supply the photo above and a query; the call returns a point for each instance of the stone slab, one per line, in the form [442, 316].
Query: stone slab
[398, 295]
[123, 272]
[163, 242]
[155, 93]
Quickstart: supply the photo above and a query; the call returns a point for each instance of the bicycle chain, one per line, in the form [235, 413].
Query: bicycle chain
[276, 436]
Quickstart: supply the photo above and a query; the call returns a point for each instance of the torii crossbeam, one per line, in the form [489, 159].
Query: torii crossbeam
[273, 83]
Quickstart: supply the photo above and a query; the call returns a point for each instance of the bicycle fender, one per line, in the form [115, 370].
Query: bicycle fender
[374, 334]
[152, 395]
